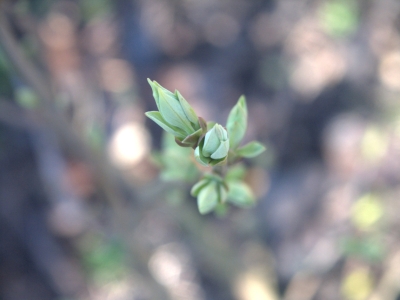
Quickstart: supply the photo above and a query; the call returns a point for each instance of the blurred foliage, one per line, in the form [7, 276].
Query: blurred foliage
[340, 17]
[175, 162]
[26, 98]
[105, 261]
[370, 248]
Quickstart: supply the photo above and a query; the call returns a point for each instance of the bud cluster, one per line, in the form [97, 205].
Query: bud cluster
[213, 146]
[210, 191]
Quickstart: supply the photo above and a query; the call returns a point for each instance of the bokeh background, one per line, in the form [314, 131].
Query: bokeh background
[94, 201]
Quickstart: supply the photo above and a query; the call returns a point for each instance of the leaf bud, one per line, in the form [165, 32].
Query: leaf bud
[210, 191]
[176, 116]
[214, 148]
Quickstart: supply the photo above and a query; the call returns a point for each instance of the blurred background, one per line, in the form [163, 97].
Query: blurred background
[94, 201]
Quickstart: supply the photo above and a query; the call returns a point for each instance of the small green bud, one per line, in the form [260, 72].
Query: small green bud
[214, 148]
[209, 192]
[175, 115]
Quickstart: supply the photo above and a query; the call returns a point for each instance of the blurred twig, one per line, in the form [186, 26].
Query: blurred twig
[70, 140]
[13, 116]
[106, 179]
[26, 70]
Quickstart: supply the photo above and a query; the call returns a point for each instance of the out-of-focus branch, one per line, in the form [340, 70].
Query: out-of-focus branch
[21, 64]
[11, 115]
[71, 141]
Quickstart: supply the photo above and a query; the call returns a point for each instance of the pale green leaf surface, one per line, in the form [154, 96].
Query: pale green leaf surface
[170, 108]
[173, 113]
[211, 143]
[237, 123]
[208, 198]
[251, 149]
[222, 150]
[188, 110]
[157, 117]
[155, 91]
[198, 187]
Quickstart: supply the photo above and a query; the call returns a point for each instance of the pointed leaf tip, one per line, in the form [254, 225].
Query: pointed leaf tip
[242, 101]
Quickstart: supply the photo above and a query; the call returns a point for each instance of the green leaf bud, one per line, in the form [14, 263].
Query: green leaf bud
[210, 191]
[214, 148]
[175, 116]
[188, 110]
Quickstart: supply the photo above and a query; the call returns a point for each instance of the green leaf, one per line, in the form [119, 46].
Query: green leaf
[154, 89]
[157, 117]
[252, 149]
[198, 187]
[240, 194]
[237, 123]
[188, 110]
[208, 198]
